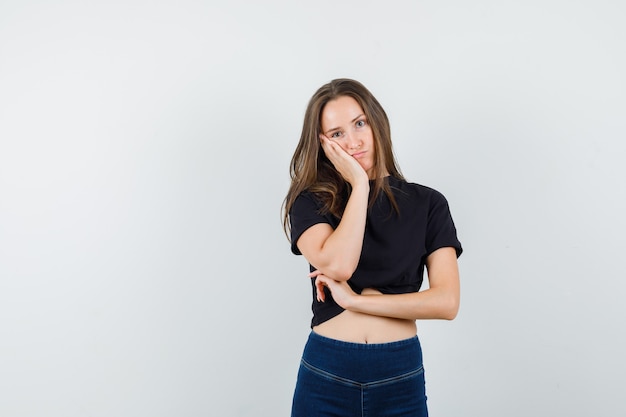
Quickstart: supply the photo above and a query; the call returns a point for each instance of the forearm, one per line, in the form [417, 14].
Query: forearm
[341, 251]
[434, 303]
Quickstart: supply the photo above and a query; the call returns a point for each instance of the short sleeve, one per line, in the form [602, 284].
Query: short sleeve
[304, 213]
[441, 232]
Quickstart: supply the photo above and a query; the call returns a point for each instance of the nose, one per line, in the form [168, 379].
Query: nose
[352, 140]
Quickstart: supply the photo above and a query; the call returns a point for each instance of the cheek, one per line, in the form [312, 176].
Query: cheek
[370, 144]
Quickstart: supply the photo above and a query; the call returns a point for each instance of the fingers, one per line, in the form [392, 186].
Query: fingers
[330, 147]
[315, 273]
[319, 285]
[343, 162]
[319, 290]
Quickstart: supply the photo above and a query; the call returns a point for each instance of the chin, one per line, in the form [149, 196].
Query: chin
[368, 168]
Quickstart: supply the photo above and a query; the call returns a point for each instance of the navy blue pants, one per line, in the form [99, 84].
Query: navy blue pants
[360, 380]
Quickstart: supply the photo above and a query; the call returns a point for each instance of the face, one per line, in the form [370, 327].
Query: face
[344, 122]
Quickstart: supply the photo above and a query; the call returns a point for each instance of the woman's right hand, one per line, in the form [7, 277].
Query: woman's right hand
[344, 163]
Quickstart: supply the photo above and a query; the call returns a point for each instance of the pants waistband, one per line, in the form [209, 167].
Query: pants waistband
[363, 361]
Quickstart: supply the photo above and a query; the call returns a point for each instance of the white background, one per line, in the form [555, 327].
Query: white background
[144, 153]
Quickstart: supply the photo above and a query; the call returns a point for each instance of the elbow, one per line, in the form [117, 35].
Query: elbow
[337, 266]
[450, 315]
[450, 308]
[339, 272]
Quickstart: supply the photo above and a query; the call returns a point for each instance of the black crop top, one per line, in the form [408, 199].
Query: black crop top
[395, 246]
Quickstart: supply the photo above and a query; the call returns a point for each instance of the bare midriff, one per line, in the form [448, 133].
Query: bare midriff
[350, 326]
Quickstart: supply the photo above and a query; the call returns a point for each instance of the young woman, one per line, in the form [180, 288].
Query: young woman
[367, 234]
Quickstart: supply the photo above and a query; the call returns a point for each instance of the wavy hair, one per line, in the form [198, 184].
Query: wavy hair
[312, 171]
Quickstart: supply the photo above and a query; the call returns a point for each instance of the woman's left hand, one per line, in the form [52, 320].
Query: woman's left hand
[340, 290]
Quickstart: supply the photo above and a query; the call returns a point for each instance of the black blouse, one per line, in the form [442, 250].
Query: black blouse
[395, 246]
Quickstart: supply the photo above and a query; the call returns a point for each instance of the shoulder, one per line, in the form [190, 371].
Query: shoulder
[306, 199]
[421, 193]
[308, 205]
[307, 211]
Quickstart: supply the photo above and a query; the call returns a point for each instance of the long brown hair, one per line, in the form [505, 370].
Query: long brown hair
[311, 170]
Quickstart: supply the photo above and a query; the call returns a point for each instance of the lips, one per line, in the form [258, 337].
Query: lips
[358, 155]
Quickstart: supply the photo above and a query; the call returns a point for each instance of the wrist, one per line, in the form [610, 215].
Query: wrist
[363, 185]
[352, 303]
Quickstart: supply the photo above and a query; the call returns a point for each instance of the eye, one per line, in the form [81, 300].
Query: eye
[336, 135]
[360, 123]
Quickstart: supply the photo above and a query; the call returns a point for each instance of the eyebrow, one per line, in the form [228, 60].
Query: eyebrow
[337, 128]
